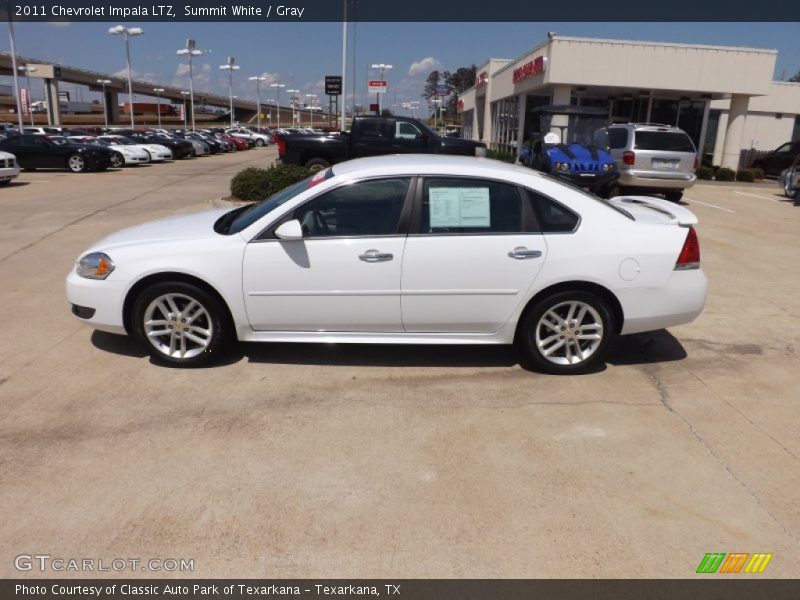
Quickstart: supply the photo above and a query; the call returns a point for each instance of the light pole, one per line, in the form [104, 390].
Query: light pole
[278, 87]
[14, 66]
[314, 100]
[103, 83]
[191, 52]
[184, 94]
[230, 67]
[293, 101]
[158, 95]
[128, 33]
[258, 81]
[382, 67]
[27, 69]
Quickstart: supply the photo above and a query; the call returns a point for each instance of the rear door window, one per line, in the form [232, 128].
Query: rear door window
[617, 138]
[475, 206]
[667, 141]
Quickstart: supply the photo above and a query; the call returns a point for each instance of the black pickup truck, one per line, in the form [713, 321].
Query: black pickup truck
[371, 136]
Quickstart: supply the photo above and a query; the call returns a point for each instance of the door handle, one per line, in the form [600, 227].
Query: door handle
[375, 256]
[521, 253]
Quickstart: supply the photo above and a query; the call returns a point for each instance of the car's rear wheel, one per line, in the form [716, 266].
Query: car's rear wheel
[567, 332]
[259, 142]
[117, 160]
[76, 163]
[674, 196]
[181, 324]
[317, 164]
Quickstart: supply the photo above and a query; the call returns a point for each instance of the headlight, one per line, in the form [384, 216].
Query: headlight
[96, 265]
[608, 167]
[480, 151]
[559, 166]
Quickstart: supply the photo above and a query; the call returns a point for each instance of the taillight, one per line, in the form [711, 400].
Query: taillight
[628, 157]
[281, 145]
[696, 162]
[689, 257]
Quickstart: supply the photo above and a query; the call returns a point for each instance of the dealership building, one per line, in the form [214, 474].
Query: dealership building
[723, 97]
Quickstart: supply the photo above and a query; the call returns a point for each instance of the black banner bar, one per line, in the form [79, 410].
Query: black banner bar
[714, 588]
[407, 10]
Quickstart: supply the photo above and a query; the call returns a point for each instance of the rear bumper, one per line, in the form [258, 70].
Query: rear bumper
[656, 179]
[680, 301]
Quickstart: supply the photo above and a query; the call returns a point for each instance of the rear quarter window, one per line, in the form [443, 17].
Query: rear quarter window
[551, 216]
[668, 141]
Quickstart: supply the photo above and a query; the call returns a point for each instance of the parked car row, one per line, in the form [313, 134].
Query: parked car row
[99, 148]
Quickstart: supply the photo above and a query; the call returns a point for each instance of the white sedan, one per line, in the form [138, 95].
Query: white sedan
[156, 152]
[401, 250]
[9, 168]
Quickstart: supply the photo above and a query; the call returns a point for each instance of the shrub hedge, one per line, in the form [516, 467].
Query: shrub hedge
[724, 174]
[705, 173]
[746, 175]
[254, 184]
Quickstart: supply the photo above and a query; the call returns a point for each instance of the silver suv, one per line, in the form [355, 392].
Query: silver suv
[652, 158]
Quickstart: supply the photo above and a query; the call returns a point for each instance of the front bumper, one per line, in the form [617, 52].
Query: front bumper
[586, 180]
[98, 303]
[656, 179]
[9, 173]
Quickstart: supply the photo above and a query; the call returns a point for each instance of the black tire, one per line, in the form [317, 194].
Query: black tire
[567, 343]
[117, 160]
[259, 142]
[76, 163]
[5, 182]
[612, 191]
[149, 157]
[317, 164]
[674, 196]
[788, 186]
[214, 320]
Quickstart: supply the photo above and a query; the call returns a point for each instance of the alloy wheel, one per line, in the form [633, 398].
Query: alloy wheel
[178, 326]
[76, 163]
[569, 333]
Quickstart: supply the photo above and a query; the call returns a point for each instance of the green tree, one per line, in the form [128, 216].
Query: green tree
[795, 78]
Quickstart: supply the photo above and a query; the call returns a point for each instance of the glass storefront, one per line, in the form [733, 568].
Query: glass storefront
[505, 123]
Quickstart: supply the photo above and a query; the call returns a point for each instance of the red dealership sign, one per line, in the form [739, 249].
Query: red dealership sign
[529, 69]
[481, 79]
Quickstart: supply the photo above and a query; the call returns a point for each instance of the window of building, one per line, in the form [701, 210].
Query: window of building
[505, 122]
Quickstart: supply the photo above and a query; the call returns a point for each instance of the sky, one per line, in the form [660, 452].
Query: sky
[301, 54]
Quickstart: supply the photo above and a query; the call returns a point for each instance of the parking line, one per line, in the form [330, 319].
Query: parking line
[711, 205]
[755, 196]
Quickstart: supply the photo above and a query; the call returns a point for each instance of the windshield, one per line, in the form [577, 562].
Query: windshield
[244, 217]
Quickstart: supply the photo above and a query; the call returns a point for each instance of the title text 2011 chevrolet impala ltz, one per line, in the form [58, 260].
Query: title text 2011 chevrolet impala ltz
[401, 250]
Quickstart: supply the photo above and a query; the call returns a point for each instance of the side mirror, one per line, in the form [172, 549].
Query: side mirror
[291, 230]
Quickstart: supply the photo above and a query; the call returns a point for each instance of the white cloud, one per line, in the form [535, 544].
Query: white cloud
[315, 85]
[423, 66]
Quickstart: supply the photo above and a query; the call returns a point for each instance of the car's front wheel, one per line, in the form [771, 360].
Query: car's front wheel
[567, 332]
[259, 142]
[181, 324]
[788, 185]
[76, 163]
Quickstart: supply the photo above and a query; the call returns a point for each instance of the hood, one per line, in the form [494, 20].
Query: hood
[184, 227]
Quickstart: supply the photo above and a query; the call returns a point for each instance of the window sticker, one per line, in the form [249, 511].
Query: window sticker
[459, 207]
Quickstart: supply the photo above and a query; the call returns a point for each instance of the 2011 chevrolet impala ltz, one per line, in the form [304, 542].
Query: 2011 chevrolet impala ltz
[401, 250]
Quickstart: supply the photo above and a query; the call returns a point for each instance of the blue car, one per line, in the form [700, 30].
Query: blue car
[577, 160]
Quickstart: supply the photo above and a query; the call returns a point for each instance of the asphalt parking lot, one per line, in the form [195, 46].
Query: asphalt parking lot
[338, 461]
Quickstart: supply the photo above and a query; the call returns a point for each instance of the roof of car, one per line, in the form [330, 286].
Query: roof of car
[428, 164]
